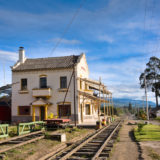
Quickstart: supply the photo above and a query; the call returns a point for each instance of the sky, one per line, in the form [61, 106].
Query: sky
[117, 36]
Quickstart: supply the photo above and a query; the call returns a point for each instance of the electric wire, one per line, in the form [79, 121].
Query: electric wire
[67, 27]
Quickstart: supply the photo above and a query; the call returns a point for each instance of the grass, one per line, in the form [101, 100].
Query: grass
[157, 118]
[154, 155]
[147, 133]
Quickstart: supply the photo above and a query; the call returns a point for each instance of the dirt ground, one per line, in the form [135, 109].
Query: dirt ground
[128, 149]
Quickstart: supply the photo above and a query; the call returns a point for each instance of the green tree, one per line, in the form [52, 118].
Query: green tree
[152, 77]
[130, 107]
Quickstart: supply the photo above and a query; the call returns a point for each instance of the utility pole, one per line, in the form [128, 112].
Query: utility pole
[74, 87]
[146, 96]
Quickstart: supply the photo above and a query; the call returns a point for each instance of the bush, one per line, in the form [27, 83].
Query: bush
[140, 126]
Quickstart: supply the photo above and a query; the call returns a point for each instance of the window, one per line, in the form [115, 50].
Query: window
[24, 84]
[24, 110]
[43, 82]
[87, 109]
[63, 82]
[64, 110]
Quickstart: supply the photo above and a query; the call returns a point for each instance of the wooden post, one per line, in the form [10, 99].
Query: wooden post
[99, 104]
[104, 105]
[33, 114]
[46, 114]
[107, 105]
[82, 108]
[112, 106]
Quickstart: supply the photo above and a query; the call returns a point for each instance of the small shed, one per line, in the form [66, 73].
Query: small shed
[158, 113]
[5, 109]
[154, 112]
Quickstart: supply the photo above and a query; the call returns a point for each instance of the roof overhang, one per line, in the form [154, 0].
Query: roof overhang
[40, 102]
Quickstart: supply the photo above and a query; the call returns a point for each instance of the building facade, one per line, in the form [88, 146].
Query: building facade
[58, 87]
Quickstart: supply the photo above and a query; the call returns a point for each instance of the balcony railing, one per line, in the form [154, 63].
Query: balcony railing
[89, 91]
[42, 92]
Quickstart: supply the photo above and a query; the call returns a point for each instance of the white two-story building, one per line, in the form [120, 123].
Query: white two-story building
[44, 87]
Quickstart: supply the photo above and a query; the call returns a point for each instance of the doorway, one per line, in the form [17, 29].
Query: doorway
[42, 113]
[81, 113]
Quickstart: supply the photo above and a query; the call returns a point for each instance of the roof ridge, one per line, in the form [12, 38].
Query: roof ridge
[52, 57]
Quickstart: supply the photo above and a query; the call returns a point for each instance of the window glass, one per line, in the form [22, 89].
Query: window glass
[63, 82]
[64, 110]
[24, 84]
[24, 110]
[87, 109]
[43, 82]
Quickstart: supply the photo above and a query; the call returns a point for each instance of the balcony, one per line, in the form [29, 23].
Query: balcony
[41, 92]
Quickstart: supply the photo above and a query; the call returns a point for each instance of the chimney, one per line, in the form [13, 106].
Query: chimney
[21, 55]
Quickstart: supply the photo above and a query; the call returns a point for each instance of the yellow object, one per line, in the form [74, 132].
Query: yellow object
[51, 115]
[33, 114]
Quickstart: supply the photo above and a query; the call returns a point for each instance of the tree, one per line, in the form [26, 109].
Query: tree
[130, 107]
[151, 76]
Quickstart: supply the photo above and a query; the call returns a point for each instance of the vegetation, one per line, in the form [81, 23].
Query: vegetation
[157, 118]
[147, 132]
[151, 77]
[154, 155]
[41, 147]
[141, 114]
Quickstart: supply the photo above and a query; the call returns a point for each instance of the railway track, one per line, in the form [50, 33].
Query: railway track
[94, 147]
[18, 141]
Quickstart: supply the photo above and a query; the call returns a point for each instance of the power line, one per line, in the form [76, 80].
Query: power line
[68, 26]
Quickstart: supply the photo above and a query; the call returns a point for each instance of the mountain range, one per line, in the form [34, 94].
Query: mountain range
[121, 102]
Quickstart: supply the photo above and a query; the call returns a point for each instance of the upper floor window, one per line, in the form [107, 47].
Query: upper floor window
[63, 82]
[43, 82]
[24, 84]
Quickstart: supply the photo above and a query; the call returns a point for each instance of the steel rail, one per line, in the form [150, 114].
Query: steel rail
[79, 146]
[105, 143]
[82, 144]
[21, 142]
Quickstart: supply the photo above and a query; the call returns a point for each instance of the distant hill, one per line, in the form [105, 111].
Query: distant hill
[120, 102]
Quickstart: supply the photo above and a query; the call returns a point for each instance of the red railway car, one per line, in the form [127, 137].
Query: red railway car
[5, 113]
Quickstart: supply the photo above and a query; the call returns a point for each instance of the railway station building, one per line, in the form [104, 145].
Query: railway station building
[60, 87]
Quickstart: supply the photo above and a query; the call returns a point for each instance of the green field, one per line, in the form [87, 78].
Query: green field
[147, 133]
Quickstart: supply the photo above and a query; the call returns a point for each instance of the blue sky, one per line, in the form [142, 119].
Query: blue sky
[117, 36]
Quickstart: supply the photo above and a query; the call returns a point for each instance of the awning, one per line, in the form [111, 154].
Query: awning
[40, 102]
[91, 96]
[96, 85]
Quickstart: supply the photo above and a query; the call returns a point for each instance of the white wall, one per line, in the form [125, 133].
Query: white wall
[53, 81]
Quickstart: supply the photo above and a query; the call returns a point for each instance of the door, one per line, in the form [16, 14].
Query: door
[42, 113]
[81, 113]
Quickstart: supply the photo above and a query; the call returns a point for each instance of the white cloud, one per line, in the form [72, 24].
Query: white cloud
[122, 77]
[48, 51]
[105, 38]
[9, 56]
[65, 41]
